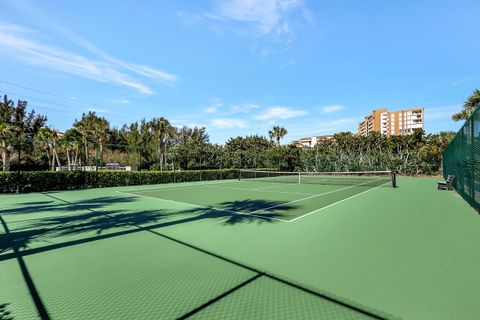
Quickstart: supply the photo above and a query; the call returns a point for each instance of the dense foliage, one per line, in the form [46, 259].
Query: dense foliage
[411, 154]
[26, 143]
[31, 181]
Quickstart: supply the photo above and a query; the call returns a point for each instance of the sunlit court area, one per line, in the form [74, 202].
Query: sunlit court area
[334, 247]
[239, 159]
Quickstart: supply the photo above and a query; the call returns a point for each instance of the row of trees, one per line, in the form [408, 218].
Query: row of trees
[16, 122]
[27, 142]
[411, 154]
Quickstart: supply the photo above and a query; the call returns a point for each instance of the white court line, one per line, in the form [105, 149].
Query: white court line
[202, 206]
[335, 203]
[277, 186]
[245, 189]
[180, 188]
[270, 187]
[314, 196]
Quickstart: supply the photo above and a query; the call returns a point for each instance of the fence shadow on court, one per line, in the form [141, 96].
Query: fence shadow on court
[42, 207]
[73, 223]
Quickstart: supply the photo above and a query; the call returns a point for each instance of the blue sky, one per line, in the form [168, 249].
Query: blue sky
[239, 67]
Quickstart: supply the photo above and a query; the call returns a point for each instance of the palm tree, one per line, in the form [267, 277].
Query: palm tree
[133, 137]
[86, 127]
[468, 106]
[101, 132]
[93, 128]
[16, 124]
[277, 133]
[163, 132]
[6, 132]
[47, 138]
[72, 140]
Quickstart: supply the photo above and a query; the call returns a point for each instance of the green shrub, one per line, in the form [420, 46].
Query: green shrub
[8, 182]
[34, 181]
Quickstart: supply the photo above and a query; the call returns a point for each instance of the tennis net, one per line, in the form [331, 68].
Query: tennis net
[357, 178]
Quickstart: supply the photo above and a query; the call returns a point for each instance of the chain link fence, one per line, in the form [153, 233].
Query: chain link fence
[461, 158]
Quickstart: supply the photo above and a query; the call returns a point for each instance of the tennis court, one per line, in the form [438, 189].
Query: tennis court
[282, 196]
[269, 245]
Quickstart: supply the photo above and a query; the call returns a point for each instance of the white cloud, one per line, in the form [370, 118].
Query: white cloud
[216, 104]
[325, 127]
[119, 101]
[271, 25]
[460, 81]
[279, 113]
[189, 19]
[266, 17]
[441, 113]
[152, 72]
[244, 108]
[211, 110]
[333, 108]
[227, 123]
[143, 70]
[97, 110]
[16, 42]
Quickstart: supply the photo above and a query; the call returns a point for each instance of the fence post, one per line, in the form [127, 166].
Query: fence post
[96, 156]
[471, 156]
[18, 164]
[200, 166]
[173, 166]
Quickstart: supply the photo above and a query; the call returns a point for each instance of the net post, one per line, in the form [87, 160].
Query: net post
[299, 175]
[394, 179]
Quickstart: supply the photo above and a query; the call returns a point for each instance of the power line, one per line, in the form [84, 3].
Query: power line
[74, 109]
[45, 92]
[61, 97]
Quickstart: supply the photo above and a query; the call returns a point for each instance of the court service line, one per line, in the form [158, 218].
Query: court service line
[276, 186]
[245, 189]
[335, 203]
[202, 206]
[314, 196]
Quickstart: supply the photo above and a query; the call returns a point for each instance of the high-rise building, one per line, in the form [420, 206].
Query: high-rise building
[392, 123]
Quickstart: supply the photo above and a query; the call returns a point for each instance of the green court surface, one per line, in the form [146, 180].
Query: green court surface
[241, 250]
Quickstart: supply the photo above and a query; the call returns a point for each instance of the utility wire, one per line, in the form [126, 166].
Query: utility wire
[73, 109]
[61, 97]
[45, 92]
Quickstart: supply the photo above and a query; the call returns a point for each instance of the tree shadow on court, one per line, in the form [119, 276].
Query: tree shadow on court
[4, 313]
[246, 211]
[57, 205]
[62, 224]
[94, 221]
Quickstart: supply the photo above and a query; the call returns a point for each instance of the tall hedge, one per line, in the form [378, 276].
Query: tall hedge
[33, 181]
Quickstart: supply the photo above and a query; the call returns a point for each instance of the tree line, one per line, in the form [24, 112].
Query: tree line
[28, 143]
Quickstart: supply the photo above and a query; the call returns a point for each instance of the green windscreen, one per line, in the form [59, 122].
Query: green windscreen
[461, 158]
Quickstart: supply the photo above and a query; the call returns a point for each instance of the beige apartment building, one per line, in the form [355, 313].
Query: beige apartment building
[392, 123]
[311, 141]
